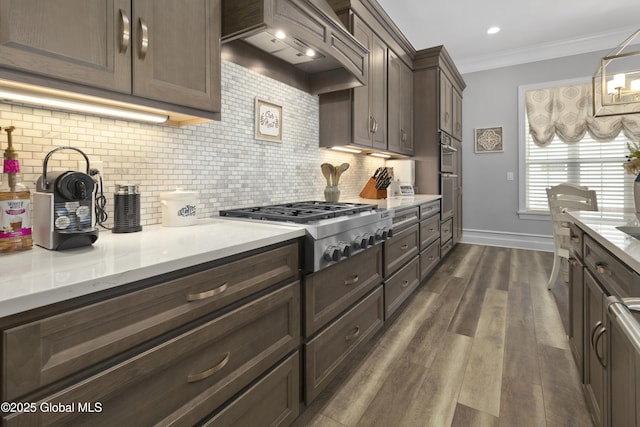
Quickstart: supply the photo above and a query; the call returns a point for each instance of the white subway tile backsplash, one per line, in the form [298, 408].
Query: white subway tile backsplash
[222, 160]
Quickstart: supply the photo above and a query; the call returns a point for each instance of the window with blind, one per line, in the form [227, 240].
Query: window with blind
[597, 165]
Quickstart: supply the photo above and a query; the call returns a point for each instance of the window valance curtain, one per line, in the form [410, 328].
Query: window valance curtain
[566, 111]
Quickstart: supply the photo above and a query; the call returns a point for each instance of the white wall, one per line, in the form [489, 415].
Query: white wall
[222, 159]
[490, 201]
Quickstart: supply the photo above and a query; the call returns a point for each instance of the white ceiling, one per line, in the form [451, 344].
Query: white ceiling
[531, 30]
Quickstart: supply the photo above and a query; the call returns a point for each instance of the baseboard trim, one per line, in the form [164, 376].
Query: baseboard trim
[536, 242]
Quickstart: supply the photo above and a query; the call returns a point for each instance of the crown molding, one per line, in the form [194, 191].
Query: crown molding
[592, 43]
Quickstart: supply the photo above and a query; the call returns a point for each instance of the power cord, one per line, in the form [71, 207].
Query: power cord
[101, 200]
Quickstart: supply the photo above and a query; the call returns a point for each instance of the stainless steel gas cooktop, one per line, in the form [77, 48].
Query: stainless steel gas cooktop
[335, 231]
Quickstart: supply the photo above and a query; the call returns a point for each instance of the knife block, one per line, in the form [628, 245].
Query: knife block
[371, 192]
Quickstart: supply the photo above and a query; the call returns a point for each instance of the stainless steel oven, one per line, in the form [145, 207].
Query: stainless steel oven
[448, 191]
[448, 156]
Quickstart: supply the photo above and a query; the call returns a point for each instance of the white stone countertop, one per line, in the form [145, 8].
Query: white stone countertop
[395, 203]
[39, 277]
[601, 226]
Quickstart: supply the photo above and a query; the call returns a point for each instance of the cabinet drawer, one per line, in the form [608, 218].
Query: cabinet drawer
[446, 231]
[44, 351]
[327, 353]
[400, 286]
[185, 378]
[429, 209]
[429, 231]
[429, 258]
[400, 249]
[404, 218]
[332, 290]
[272, 401]
[616, 278]
[445, 248]
[575, 240]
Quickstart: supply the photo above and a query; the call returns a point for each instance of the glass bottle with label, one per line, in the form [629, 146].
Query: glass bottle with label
[15, 198]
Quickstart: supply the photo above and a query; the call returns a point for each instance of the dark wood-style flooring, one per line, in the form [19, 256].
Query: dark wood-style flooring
[481, 343]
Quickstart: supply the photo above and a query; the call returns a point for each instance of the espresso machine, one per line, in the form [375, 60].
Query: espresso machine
[64, 207]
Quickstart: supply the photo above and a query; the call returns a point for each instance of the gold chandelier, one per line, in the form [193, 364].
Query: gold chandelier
[616, 82]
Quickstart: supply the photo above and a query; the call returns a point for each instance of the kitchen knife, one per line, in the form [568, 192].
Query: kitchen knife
[381, 178]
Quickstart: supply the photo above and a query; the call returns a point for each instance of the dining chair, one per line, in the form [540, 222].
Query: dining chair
[562, 197]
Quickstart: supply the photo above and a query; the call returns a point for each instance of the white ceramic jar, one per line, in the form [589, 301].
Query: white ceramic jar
[179, 208]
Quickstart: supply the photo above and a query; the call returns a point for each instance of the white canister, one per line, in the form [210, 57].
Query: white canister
[179, 208]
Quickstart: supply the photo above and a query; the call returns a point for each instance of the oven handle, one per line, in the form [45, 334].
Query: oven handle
[448, 175]
[620, 311]
[448, 148]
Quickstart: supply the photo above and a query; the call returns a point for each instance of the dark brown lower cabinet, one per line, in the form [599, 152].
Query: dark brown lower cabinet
[400, 286]
[273, 401]
[594, 361]
[182, 380]
[328, 351]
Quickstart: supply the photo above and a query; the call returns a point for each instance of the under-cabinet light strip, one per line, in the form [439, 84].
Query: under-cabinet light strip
[82, 107]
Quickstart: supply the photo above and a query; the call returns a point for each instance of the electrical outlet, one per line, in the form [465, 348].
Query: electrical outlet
[509, 176]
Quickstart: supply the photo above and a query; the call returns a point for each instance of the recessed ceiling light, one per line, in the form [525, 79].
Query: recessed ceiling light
[280, 34]
[310, 52]
[493, 30]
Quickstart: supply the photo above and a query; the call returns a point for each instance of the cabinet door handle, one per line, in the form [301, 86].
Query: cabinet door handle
[593, 332]
[143, 45]
[371, 124]
[595, 347]
[192, 378]
[602, 269]
[403, 135]
[352, 281]
[353, 335]
[207, 294]
[125, 31]
[446, 117]
[375, 124]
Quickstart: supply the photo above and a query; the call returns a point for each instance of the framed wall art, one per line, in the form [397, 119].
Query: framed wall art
[489, 140]
[268, 121]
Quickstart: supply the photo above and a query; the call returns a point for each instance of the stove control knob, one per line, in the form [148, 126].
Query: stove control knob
[345, 249]
[389, 233]
[370, 240]
[332, 253]
[359, 242]
[381, 234]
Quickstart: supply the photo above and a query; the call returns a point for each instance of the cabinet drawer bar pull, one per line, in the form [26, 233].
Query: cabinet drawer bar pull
[405, 284]
[352, 281]
[207, 294]
[573, 262]
[602, 269]
[575, 239]
[144, 39]
[206, 374]
[125, 32]
[404, 247]
[353, 335]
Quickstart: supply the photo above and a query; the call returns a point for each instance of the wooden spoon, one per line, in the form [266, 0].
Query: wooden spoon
[340, 170]
[327, 172]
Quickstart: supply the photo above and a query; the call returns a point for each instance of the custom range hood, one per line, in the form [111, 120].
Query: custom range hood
[306, 34]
